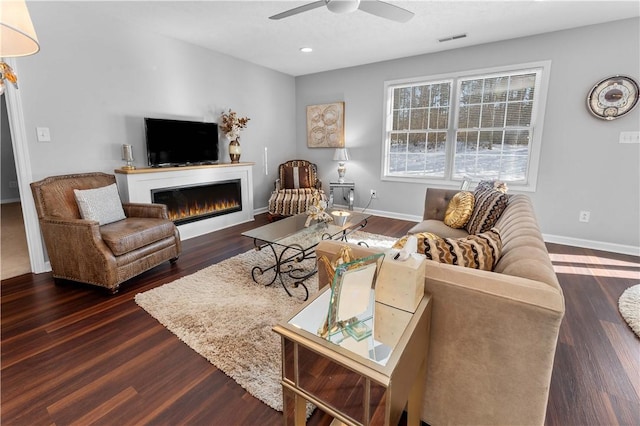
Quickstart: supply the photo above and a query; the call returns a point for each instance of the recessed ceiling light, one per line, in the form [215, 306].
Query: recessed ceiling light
[306, 49]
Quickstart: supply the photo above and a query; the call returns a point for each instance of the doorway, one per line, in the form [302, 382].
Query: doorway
[14, 251]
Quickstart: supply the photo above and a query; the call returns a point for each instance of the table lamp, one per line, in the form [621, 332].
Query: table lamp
[127, 156]
[341, 155]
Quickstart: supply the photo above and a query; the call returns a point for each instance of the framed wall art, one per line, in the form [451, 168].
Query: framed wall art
[325, 125]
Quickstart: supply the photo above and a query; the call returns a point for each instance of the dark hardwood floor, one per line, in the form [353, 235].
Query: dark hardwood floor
[76, 355]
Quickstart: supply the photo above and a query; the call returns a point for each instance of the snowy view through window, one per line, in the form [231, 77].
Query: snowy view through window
[490, 121]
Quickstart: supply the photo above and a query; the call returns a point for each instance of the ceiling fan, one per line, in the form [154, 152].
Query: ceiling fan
[374, 7]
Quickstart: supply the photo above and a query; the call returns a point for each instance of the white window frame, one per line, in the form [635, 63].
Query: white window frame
[537, 122]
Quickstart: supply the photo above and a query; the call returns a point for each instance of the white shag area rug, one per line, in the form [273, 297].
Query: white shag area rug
[223, 315]
[629, 307]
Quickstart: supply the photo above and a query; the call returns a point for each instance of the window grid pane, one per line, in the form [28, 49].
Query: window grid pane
[417, 144]
[494, 127]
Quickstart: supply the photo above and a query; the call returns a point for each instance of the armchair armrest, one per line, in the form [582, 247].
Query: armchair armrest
[76, 250]
[148, 210]
[277, 185]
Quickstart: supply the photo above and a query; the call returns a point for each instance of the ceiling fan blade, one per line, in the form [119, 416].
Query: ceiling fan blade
[299, 9]
[385, 10]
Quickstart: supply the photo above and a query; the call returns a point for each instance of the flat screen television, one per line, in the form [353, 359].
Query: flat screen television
[180, 142]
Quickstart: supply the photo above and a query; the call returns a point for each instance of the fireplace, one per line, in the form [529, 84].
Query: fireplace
[196, 202]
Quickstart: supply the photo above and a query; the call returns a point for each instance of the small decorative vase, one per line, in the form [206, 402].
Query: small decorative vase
[235, 150]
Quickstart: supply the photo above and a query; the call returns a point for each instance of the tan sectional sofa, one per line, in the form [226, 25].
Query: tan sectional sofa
[493, 334]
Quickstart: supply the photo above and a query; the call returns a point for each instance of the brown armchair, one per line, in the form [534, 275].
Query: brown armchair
[294, 188]
[104, 255]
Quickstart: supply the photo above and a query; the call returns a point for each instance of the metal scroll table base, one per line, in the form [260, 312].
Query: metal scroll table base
[286, 263]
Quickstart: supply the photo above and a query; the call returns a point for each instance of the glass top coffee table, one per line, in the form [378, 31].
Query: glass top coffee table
[291, 242]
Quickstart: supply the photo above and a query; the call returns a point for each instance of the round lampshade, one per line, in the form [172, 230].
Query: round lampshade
[17, 35]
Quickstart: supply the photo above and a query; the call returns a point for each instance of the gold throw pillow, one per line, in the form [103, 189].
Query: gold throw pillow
[459, 209]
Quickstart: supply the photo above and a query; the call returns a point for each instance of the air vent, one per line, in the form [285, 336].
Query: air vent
[455, 37]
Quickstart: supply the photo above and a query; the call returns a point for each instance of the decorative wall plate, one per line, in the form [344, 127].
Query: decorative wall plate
[613, 97]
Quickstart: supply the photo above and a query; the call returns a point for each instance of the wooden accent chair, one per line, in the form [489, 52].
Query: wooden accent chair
[105, 255]
[294, 188]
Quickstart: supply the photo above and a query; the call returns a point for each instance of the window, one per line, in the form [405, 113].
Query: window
[478, 125]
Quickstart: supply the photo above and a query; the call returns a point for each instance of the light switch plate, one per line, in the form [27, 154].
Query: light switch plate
[43, 134]
[629, 137]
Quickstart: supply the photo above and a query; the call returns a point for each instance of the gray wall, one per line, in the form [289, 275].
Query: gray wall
[95, 79]
[582, 165]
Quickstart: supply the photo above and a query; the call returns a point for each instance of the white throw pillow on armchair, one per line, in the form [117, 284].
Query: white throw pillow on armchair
[100, 204]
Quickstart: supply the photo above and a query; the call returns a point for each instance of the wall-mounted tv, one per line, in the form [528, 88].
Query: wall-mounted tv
[180, 142]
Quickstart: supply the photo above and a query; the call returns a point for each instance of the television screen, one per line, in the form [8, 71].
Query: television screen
[178, 142]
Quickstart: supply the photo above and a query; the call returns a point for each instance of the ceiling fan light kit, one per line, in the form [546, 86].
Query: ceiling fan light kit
[342, 6]
[373, 7]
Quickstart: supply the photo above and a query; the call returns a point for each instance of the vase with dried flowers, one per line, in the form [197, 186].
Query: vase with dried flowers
[231, 126]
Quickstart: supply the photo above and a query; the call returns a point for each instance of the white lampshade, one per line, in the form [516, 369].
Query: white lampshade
[17, 35]
[341, 154]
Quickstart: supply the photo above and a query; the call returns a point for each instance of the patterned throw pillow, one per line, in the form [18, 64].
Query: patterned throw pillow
[100, 204]
[421, 236]
[489, 205]
[296, 177]
[497, 185]
[459, 209]
[480, 251]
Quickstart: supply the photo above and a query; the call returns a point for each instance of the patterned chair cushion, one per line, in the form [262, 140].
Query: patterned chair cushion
[294, 177]
[288, 202]
[459, 209]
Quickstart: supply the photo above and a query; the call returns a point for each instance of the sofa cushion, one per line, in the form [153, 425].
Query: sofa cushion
[439, 228]
[459, 209]
[296, 177]
[100, 204]
[133, 233]
[489, 205]
[481, 251]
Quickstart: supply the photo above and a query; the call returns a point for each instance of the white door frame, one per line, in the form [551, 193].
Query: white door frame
[25, 177]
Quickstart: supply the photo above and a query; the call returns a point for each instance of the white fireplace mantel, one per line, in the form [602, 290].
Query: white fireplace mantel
[135, 186]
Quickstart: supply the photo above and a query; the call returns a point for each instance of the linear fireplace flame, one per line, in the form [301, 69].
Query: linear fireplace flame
[191, 203]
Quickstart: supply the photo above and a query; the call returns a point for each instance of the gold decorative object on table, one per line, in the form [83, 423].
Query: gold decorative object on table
[231, 126]
[316, 210]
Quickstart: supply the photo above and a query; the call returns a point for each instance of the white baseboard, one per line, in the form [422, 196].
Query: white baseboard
[596, 245]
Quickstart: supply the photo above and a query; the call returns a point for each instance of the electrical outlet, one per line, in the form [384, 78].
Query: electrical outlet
[374, 193]
[584, 216]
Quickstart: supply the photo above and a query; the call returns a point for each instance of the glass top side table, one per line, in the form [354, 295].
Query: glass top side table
[351, 186]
